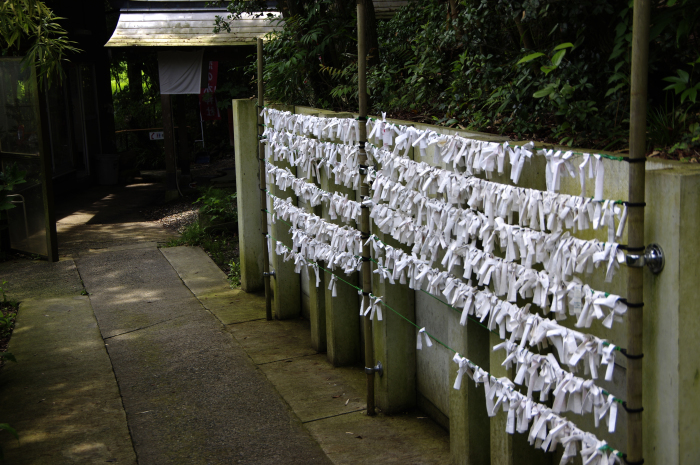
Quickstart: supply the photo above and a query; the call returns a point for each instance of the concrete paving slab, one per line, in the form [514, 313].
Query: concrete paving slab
[206, 281]
[132, 289]
[108, 204]
[234, 306]
[130, 246]
[193, 396]
[271, 341]
[61, 395]
[402, 439]
[196, 269]
[95, 236]
[38, 278]
[314, 389]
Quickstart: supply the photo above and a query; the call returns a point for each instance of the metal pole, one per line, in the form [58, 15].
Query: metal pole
[635, 285]
[364, 193]
[263, 197]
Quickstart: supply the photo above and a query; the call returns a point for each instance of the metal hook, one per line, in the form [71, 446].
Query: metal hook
[379, 369]
[653, 258]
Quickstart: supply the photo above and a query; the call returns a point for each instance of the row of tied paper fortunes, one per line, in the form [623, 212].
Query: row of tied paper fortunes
[573, 346]
[543, 373]
[517, 406]
[536, 209]
[520, 280]
[472, 155]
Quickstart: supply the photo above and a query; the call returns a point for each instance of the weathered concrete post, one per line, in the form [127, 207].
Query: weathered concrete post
[169, 138]
[509, 449]
[469, 431]
[285, 284]
[342, 311]
[314, 298]
[671, 325]
[248, 195]
[395, 343]
[395, 340]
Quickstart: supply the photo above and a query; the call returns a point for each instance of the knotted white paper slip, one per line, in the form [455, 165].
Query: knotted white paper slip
[548, 429]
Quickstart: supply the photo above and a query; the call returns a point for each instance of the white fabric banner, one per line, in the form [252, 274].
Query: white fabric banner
[180, 72]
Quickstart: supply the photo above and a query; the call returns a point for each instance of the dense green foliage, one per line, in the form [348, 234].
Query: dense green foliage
[541, 69]
[212, 231]
[219, 205]
[30, 28]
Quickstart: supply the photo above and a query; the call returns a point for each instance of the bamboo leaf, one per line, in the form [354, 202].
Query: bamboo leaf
[530, 57]
[543, 92]
[9, 429]
[556, 59]
[563, 46]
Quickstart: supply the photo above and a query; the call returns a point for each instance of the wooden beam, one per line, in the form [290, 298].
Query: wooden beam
[169, 138]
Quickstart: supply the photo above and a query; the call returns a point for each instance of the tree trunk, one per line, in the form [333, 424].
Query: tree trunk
[371, 34]
[525, 38]
[133, 72]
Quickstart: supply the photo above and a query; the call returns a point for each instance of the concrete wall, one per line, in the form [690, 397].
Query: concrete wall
[672, 365]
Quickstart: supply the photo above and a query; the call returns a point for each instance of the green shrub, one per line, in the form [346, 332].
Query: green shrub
[219, 205]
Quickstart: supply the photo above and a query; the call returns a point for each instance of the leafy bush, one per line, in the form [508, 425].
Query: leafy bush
[461, 63]
[219, 205]
[234, 275]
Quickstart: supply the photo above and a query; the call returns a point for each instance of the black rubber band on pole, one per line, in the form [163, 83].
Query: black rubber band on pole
[634, 160]
[632, 305]
[366, 259]
[632, 410]
[365, 235]
[634, 204]
[365, 293]
[624, 457]
[631, 249]
[362, 118]
[631, 357]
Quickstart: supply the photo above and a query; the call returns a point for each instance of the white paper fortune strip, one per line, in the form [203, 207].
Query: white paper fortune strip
[548, 429]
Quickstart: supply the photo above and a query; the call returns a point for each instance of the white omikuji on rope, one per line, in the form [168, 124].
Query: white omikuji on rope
[526, 279]
[572, 346]
[474, 155]
[343, 238]
[549, 212]
[561, 254]
[548, 429]
[542, 373]
[514, 403]
[312, 155]
[345, 129]
[514, 279]
[534, 246]
[558, 163]
[338, 205]
[510, 279]
[536, 209]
